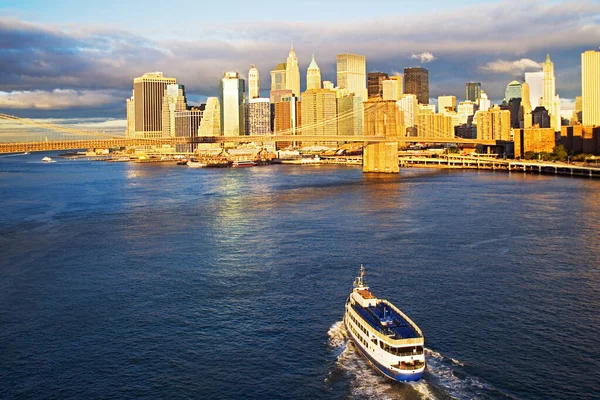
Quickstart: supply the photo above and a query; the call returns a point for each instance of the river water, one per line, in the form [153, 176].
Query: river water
[125, 281]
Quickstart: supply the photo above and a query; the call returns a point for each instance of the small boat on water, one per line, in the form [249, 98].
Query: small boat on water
[383, 334]
[47, 160]
[243, 164]
[195, 164]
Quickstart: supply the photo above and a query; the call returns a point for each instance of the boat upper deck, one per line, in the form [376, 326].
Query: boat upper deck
[387, 321]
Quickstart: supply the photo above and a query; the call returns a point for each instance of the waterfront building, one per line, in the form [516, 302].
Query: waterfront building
[550, 99]
[148, 91]
[416, 81]
[534, 140]
[466, 110]
[535, 80]
[130, 130]
[375, 84]
[233, 99]
[187, 123]
[350, 113]
[392, 88]
[473, 91]
[484, 102]
[210, 124]
[318, 115]
[259, 117]
[513, 91]
[382, 117]
[313, 76]
[446, 103]
[173, 101]
[493, 124]
[253, 83]
[352, 74]
[292, 73]
[590, 87]
[540, 117]
[581, 139]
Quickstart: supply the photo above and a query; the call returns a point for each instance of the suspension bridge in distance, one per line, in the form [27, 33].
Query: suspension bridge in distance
[380, 152]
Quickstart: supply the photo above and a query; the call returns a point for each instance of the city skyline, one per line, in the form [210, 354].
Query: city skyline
[62, 69]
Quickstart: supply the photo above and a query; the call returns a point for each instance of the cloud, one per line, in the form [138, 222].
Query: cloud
[511, 67]
[58, 99]
[88, 59]
[425, 57]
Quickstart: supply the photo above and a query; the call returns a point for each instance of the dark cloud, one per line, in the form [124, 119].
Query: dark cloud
[486, 43]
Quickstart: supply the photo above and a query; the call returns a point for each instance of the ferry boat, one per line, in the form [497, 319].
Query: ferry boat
[383, 334]
[195, 164]
[47, 160]
[243, 164]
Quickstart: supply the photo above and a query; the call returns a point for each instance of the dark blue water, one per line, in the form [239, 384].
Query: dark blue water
[144, 281]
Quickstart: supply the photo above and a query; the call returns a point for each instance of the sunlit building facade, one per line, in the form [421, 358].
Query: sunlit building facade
[292, 73]
[259, 116]
[473, 91]
[313, 75]
[173, 101]
[416, 81]
[352, 74]
[493, 124]
[148, 91]
[253, 83]
[232, 101]
[590, 87]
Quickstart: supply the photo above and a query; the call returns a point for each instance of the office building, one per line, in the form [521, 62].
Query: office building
[535, 80]
[287, 118]
[352, 74]
[541, 117]
[526, 106]
[590, 87]
[210, 125]
[187, 123]
[173, 101]
[313, 75]
[416, 81]
[432, 125]
[535, 140]
[350, 112]
[577, 111]
[259, 117]
[292, 73]
[392, 88]
[446, 103]
[551, 101]
[253, 83]
[409, 106]
[148, 91]
[513, 91]
[484, 102]
[473, 91]
[278, 77]
[581, 139]
[466, 110]
[130, 130]
[375, 84]
[233, 99]
[318, 115]
[493, 124]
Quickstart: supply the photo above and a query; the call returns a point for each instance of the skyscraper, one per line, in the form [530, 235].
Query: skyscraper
[292, 73]
[313, 75]
[259, 116]
[513, 91]
[233, 98]
[446, 103]
[352, 74]
[130, 131]
[173, 101]
[409, 106]
[473, 91]
[210, 124]
[590, 87]
[493, 124]
[350, 113]
[148, 91]
[375, 84]
[551, 101]
[392, 88]
[535, 80]
[416, 81]
[278, 77]
[253, 82]
[319, 111]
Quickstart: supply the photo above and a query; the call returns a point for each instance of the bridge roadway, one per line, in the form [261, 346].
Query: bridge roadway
[116, 142]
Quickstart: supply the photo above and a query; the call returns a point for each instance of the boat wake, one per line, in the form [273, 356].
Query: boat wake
[444, 378]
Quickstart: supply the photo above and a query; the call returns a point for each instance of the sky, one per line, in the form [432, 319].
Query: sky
[77, 60]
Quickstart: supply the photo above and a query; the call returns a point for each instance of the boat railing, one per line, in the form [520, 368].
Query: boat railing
[409, 366]
[386, 338]
[410, 321]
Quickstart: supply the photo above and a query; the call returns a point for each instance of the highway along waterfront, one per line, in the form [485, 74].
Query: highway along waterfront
[130, 280]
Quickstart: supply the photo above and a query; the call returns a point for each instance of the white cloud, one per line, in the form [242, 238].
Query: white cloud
[58, 99]
[425, 57]
[511, 67]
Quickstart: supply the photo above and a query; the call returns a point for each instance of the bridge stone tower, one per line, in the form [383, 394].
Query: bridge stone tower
[382, 118]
